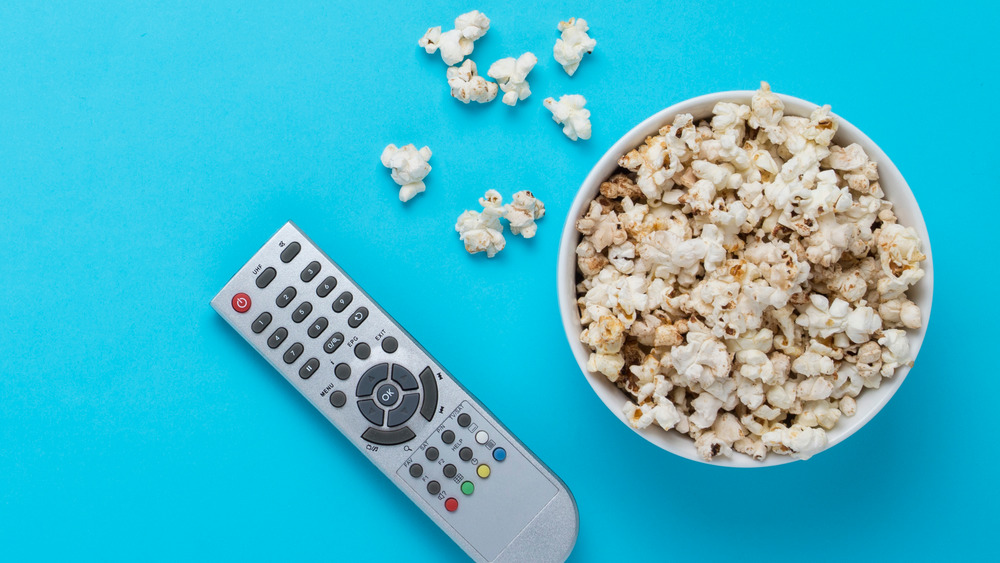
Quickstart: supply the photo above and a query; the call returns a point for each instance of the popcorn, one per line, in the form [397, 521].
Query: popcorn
[743, 279]
[482, 231]
[573, 44]
[457, 43]
[570, 113]
[467, 86]
[512, 76]
[409, 168]
[523, 212]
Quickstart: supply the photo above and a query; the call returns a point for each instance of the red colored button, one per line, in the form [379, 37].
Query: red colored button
[241, 302]
[451, 504]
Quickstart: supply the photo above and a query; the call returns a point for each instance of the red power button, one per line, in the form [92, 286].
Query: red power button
[241, 302]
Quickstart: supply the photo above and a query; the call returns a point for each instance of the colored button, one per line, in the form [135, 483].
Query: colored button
[467, 488]
[464, 420]
[482, 437]
[241, 302]
[483, 471]
[499, 454]
[451, 504]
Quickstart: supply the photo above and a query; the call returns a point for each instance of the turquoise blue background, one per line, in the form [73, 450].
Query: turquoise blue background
[147, 151]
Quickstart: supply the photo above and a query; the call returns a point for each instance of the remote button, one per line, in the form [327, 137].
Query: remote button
[450, 471]
[431, 453]
[310, 271]
[467, 488]
[499, 454]
[302, 312]
[403, 377]
[464, 420]
[342, 371]
[416, 470]
[318, 326]
[451, 504]
[371, 411]
[389, 437]
[261, 322]
[430, 394]
[290, 252]
[465, 454]
[277, 337]
[362, 351]
[293, 353]
[372, 377]
[387, 396]
[405, 410]
[338, 399]
[433, 487]
[286, 297]
[483, 471]
[389, 345]
[241, 303]
[342, 302]
[327, 286]
[482, 437]
[266, 277]
[447, 436]
[333, 343]
[309, 368]
[358, 317]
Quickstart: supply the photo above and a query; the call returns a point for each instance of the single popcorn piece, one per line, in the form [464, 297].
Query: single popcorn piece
[573, 44]
[481, 231]
[523, 212]
[743, 280]
[456, 44]
[409, 168]
[467, 86]
[569, 112]
[512, 76]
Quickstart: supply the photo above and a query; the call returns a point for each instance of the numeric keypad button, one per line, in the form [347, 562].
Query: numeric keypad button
[277, 337]
[342, 302]
[310, 271]
[293, 353]
[333, 343]
[286, 297]
[302, 311]
[261, 322]
[327, 286]
[318, 326]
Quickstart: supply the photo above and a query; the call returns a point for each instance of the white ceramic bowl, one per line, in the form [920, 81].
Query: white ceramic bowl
[870, 401]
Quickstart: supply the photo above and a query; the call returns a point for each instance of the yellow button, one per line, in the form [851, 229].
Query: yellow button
[483, 471]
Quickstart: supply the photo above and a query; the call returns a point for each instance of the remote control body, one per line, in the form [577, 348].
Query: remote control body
[397, 405]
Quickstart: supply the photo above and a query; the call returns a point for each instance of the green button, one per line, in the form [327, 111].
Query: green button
[468, 487]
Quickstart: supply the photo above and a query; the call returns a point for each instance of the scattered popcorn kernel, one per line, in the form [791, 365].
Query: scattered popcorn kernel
[456, 44]
[512, 76]
[409, 168]
[573, 44]
[522, 213]
[467, 86]
[481, 231]
[569, 111]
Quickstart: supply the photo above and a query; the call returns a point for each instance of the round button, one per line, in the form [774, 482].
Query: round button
[451, 504]
[431, 453]
[241, 302]
[389, 345]
[465, 454]
[387, 395]
[342, 371]
[483, 471]
[362, 351]
[447, 436]
[482, 437]
[464, 420]
[467, 488]
[450, 471]
[338, 399]
[433, 487]
[416, 470]
[499, 454]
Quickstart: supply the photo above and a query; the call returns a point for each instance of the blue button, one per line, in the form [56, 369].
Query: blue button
[499, 454]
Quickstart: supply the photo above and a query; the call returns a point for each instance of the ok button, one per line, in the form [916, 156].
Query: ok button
[387, 395]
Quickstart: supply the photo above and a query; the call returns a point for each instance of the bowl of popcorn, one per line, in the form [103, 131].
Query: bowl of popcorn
[745, 278]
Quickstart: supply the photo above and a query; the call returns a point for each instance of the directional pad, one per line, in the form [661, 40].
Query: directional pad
[405, 410]
[375, 375]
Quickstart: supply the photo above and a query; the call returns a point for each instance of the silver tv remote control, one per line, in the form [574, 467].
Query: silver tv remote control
[398, 406]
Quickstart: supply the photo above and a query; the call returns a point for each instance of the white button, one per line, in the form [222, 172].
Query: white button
[482, 437]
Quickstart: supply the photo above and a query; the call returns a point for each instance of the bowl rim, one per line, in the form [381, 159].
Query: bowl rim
[566, 274]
